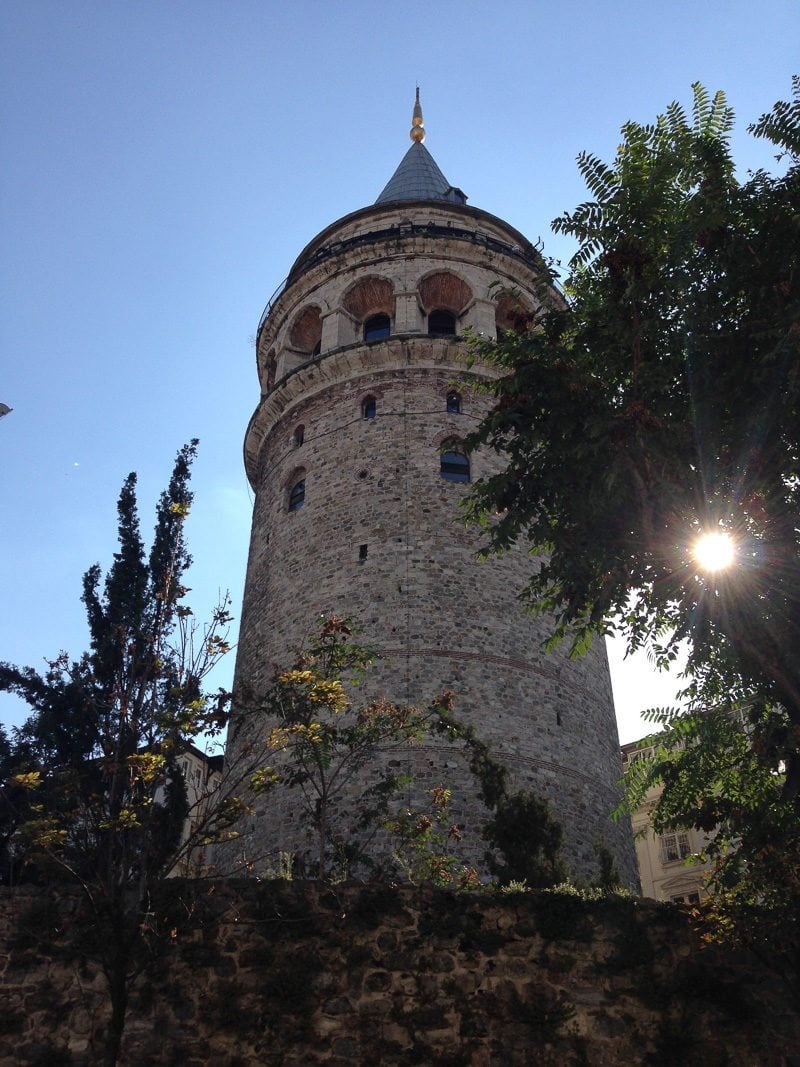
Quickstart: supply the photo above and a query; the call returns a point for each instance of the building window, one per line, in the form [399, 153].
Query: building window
[299, 435]
[306, 333]
[441, 323]
[674, 847]
[454, 463]
[297, 495]
[369, 407]
[641, 754]
[377, 327]
[511, 313]
[444, 293]
[453, 404]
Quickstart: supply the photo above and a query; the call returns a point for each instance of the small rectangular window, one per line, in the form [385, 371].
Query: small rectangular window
[362, 553]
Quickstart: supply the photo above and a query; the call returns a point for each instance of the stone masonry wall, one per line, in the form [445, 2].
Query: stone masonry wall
[441, 619]
[297, 974]
[379, 537]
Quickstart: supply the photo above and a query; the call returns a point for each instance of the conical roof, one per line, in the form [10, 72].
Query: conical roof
[418, 176]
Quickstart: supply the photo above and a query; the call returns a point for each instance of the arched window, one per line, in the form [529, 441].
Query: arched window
[454, 463]
[377, 327]
[443, 289]
[512, 313]
[453, 404]
[305, 334]
[297, 495]
[299, 435]
[441, 323]
[369, 407]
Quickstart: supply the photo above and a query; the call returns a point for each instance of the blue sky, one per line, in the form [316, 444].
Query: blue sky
[165, 162]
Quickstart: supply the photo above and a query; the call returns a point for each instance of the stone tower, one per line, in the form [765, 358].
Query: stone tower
[354, 453]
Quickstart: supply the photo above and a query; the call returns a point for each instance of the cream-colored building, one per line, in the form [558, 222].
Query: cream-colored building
[666, 868]
[202, 774]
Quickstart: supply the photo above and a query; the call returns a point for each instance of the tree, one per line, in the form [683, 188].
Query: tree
[523, 835]
[323, 746]
[660, 398]
[423, 843]
[92, 791]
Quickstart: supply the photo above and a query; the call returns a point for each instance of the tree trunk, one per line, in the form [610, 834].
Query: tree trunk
[322, 834]
[118, 990]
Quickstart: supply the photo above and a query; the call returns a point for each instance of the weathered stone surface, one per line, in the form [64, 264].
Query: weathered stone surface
[301, 1007]
[379, 536]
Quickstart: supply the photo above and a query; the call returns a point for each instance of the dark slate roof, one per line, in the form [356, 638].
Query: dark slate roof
[418, 178]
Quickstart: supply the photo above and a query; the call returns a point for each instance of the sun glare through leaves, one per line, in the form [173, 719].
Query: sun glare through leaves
[713, 551]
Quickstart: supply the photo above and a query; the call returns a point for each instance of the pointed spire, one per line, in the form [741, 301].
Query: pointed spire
[417, 133]
[418, 177]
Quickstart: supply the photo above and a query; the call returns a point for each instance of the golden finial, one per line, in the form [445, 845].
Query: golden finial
[417, 133]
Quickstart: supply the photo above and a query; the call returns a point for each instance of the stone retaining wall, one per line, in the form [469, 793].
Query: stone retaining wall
[302, 973]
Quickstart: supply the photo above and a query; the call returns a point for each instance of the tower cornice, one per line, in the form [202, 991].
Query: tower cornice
[411, 209]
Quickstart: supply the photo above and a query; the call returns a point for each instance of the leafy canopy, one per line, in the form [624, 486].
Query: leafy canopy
[661, 398]
[323, 745]
[328, 749]
[91, 787]
[92, 782]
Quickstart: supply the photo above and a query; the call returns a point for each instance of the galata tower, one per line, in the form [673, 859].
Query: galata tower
[355, 457]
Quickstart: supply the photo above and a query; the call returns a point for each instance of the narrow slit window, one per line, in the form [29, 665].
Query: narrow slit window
[369, 407]
[297, 495]
[299, 435]
[453, 404]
